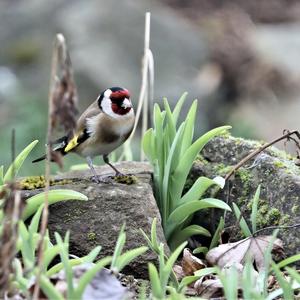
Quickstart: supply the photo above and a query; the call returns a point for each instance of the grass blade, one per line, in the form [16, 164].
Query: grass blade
[34, 224]
[243, 224]
[206, 271]
[73, 262]
[155, 282]
[49, 289]
[199, 250]
[87, 277]
[215, 240]
[187, 280]
[289, 260]
[170, 263]
[294, 274]
[154, 235]
[128, 256]
[254, 209]
[118, 248]
[284, 284]
[64, 256]
[18, 162]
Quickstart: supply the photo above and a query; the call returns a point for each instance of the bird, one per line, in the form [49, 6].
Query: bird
[104, 126]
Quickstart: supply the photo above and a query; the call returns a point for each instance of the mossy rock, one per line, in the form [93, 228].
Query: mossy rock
[274, 170]
[97, 222]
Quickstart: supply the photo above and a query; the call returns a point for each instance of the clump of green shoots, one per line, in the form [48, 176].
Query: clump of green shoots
[163, 280]
[171, 151]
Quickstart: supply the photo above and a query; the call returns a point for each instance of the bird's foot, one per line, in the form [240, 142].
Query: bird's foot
[101, 179]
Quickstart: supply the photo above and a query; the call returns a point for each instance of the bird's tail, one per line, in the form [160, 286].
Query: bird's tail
[39, 159]
[60, 148]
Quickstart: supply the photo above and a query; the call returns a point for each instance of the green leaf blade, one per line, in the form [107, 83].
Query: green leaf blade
[243, 224]
[253, 216]
[183, 211]
[14, 168]
[187, 159]
[54, 196]
[183, 235]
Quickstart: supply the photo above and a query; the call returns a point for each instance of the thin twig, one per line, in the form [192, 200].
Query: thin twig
[276, 227]
[259, 150]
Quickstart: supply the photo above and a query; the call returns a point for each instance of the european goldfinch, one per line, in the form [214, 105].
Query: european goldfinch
[104, 126]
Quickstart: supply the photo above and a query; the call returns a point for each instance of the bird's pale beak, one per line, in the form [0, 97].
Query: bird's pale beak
[126, 103]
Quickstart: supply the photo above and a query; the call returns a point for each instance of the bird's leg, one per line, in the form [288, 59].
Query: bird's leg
[106, 160]
[90, 163]
[96, 177]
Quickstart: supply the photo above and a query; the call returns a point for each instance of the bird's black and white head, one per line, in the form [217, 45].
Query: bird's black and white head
[115, 102]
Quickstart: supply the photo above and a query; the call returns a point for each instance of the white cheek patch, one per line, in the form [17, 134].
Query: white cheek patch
[107, 93]
[106, 107]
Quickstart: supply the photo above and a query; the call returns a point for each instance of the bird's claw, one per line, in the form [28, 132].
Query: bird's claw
[101, 179]
[119, 174]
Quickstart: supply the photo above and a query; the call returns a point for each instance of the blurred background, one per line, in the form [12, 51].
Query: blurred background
[240, 58]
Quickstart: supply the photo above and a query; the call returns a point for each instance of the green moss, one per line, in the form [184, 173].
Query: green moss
[280, 154]
[284, 220]
[279, 164]
[221, 169]
[37, 182]
[267, 216]
[126, 179]
[201, 160]
[273, 216]
[226, 134]
[91, 236]
[245, 175]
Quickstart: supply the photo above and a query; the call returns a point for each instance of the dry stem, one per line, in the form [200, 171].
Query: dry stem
[58, 43]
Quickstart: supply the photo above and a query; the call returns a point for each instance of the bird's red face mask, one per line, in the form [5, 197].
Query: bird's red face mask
[120, 102]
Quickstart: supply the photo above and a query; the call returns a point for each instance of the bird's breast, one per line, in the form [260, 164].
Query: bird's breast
[106, 134]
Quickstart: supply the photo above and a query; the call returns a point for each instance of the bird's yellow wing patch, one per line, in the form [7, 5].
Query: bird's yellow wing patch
[72, 144]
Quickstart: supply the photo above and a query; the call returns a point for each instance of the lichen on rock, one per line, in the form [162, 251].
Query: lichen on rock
[275, 170]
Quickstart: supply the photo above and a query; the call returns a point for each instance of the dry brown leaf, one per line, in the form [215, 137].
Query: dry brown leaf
[64, 93]
[190, 263]
[232, 253]
[178, 272]
[210, 288]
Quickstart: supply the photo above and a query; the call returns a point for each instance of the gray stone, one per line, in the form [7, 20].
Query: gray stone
[280, 186]
[110, 205]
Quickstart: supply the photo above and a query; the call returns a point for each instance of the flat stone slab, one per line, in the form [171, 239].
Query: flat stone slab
[110, 205]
